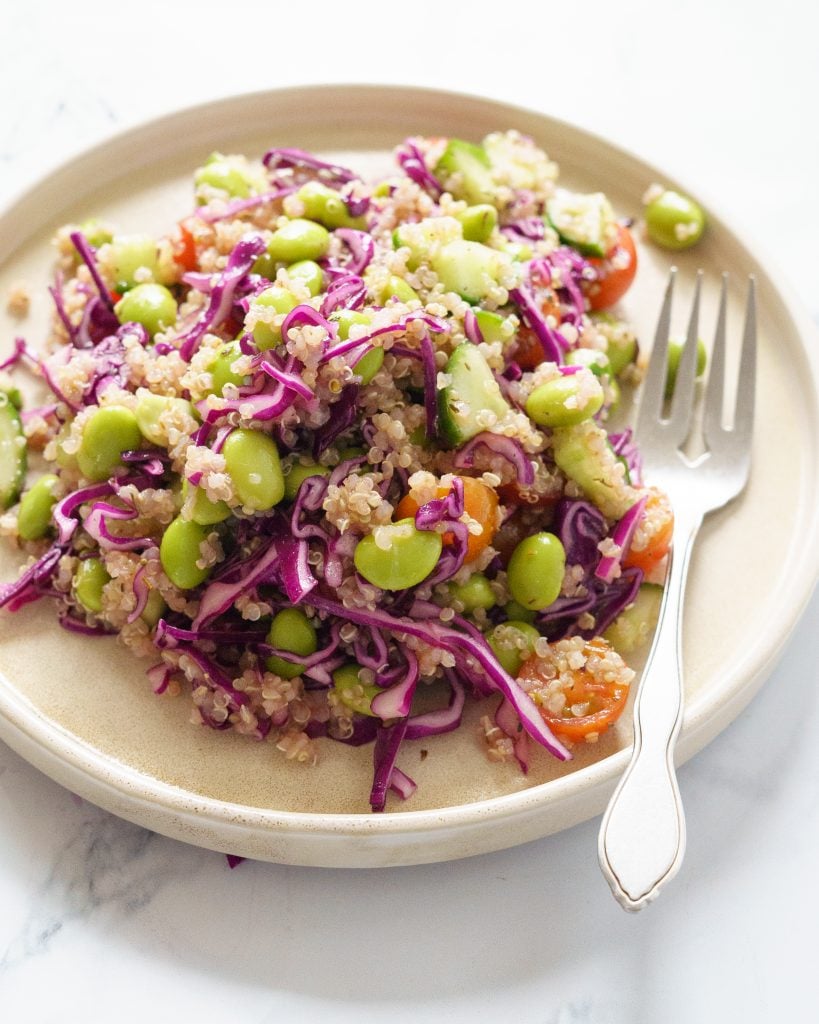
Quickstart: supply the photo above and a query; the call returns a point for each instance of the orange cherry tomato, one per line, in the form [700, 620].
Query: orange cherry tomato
[480, 503]
[183, 247]
[653, 536]
[528, 352]
[615, 271]
[592, 700]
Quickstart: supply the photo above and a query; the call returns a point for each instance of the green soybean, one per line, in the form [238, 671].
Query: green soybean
[129, 254]
[475, 593]
[558, 402]
[34, 514]
[290, 630]
[89, 581]
[535, 571]
[352, 693]
[325, 205]
[150, 409]
[309, 273]
[96, 234]
[674, 221]
[516, 611]
[369, 364]
[674, 354]
[180, 550]
[151, 305]
[200, 508]
[298, 239]
[408, 556]
[221, 369]
[621, 344]
[266, 335]
[297, 474]
[252, 461]
[513, 642]
[154, 608]
[347, 318]
[396, 287]
[109, 431]
[229, 175]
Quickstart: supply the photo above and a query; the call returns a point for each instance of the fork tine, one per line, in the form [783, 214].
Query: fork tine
[745, 400]
[680, 419]
[715, 393]
[651, 397]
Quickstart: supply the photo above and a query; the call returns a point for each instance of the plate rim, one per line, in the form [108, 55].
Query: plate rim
[81, 755]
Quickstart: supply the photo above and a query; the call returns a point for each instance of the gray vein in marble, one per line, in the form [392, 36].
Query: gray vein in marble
[102, 863]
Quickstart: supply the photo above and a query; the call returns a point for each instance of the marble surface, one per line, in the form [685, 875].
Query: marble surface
[102, 920]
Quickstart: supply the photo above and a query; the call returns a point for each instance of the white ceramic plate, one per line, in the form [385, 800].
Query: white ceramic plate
[81, 709]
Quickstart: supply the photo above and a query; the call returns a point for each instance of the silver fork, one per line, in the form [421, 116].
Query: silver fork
[642, 836]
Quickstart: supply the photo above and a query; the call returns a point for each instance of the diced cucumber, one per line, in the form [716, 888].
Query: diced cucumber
[469, 268]
[478, 222]
[13, 457]
[635, 625]
[471, 164]
[472, 388]
[585, 456]
[586, 222]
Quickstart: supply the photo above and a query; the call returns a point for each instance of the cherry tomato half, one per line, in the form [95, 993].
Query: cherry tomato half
[592, 702]
[480, 502]
[615, 271]
[184, 247]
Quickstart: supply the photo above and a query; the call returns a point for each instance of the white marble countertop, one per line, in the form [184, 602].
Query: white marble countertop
[103, 920]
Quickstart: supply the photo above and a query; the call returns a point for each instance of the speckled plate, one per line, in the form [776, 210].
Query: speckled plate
[81, 709]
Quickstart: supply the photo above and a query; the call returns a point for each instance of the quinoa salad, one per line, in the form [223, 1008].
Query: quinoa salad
[334, 455]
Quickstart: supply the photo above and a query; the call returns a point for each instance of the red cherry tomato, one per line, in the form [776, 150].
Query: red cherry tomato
[615, 271]
[184, 247]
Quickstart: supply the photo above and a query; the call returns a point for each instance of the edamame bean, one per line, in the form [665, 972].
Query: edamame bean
[154, 608]
[621, 344]
[290, 630]
[180, 550]
[592, 358]
[107, 433]
[566, 400]
[129, 254]
[252, 461]
[325, 205]
[347, 318]
[34, 514]
[475, 593]
[266, 335]
[513, 642]
[352, 693]
[397, 556]
[150, 410]
[369, 364]
[396, 288]
[298, 474]
[298, 239]
[674, 354]
[229, 175]
[309, 273]
[674, 221]
[514, 610]
[535, 571]
[89, 581]
[221, 369]
[96, 234]
[150, 304]
[200, 508]
[478, 222]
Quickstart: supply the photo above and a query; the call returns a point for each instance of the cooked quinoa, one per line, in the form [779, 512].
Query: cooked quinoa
[294, 451]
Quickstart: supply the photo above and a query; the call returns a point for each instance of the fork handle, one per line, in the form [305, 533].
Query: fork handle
[642, 835]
